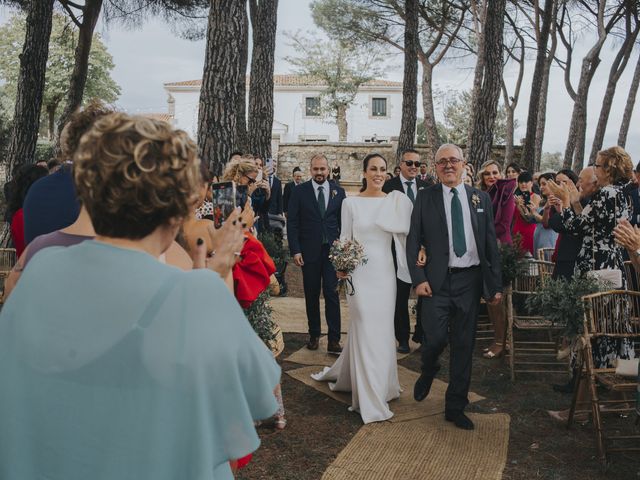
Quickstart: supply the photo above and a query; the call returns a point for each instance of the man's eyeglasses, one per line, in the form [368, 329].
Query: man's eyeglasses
[444, 161]
[411, 163]
[251, 180]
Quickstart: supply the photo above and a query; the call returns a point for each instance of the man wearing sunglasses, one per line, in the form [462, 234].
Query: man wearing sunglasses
[407, 183]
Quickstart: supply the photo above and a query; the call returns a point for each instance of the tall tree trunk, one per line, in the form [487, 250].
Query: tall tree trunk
[33, 64]
[341, 120]
[538, 73]
[264, 17]
[221, 74]
[242, 138]
[544, 91]
[429, 112]
[484, 115]
[410, 80]
[481, 20]
[508, 146]
[90, 15]
[618, 66]
[628, 108]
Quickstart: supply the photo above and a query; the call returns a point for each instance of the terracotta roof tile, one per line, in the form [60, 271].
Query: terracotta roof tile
[291, 80]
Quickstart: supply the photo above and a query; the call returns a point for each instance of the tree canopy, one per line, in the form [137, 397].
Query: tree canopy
[59, 67]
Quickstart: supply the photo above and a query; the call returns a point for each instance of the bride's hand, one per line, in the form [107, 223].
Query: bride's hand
[342, 275]
[422, 257]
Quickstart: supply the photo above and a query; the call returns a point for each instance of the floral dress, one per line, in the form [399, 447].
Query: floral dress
[599, 251]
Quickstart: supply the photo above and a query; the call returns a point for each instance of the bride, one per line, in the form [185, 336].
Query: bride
[367, 366]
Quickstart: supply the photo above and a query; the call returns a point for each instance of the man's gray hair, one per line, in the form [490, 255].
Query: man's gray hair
[450, 145]
[592, 169]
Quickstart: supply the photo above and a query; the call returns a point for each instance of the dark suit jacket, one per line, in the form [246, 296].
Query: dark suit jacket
[275, 199]
[429, 228]
[304, 223]
[288, 188]
[633, 197]
[396, 184]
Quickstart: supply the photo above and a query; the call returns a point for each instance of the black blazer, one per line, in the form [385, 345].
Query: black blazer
[288, 188]
[396, 184]
[429, 228]
[275, 200]
[305, 226]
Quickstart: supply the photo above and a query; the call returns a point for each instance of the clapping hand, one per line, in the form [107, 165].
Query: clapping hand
[225, 244]
[422, 257]
[561, 192]
[627, 235]
[247, 217]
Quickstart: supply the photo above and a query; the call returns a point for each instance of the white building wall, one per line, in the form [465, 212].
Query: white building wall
[291, 123]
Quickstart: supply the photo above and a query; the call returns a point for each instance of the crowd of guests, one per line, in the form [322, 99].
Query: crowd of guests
[138, 359]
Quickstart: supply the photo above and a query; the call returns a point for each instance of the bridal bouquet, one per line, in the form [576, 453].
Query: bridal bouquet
[345, 256]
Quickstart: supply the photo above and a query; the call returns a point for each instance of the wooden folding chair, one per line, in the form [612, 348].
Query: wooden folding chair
[7, 261]
[614, 314]
[531, 355]
[545, 254]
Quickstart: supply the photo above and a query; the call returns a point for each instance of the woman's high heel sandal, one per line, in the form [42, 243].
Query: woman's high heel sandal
[280, 423]
[491, 354]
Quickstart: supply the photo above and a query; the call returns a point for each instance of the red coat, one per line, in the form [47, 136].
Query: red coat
[252, 274]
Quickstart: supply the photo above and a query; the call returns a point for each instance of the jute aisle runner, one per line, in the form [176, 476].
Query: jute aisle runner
[425, 449]
[404, 408]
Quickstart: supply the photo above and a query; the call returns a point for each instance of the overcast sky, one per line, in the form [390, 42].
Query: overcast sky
[147, 57]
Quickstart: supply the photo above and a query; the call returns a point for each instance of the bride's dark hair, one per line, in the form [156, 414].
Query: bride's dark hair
[365, 165]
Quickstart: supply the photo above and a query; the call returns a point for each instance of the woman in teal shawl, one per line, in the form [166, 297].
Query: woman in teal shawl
[113, 365]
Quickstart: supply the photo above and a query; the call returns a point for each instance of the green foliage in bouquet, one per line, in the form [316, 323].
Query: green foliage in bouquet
[259, 316]
[512, 259]
[560, 301]
[275, 248]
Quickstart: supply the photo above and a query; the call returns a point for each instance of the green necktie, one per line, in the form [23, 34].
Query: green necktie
[410, 192]
[323, 209]
[457, 225]
[321, 204]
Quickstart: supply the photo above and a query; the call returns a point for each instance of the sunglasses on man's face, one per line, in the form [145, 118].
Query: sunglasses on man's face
[411, 163]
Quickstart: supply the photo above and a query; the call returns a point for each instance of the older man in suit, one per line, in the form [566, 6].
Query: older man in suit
[454, 222]
[313, 224]
[407, 183]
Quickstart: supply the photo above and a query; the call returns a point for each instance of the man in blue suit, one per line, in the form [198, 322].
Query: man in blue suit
[313, 225]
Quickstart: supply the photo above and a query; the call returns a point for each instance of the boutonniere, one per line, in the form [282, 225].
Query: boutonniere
[333, 193]
[421, 188]
[475, 199]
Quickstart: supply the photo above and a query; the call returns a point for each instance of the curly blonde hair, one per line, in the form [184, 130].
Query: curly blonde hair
[237, 169]
[617, 163]
[135, 174]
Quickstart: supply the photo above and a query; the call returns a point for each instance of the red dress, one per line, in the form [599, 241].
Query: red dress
[17, 232]
[525, 230]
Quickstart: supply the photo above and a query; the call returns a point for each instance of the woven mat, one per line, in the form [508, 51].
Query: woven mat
[404, 408]
[427, 448]
[304, 356]
[291, 315]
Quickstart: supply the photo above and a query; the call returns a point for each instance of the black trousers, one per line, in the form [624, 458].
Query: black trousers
[401, 322]
[316, 276]
[450, 316]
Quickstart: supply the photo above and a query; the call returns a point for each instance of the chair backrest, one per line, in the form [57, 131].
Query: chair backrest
[545, 254]
[633, 279]
[7, 259]
[534, 276]
[612, 314]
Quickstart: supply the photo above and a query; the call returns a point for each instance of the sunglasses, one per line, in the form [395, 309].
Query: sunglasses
[251, 180]
[411, 163]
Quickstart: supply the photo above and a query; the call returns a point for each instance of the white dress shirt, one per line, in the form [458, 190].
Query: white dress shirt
[414, 186]
[326, 190]
[471, 257]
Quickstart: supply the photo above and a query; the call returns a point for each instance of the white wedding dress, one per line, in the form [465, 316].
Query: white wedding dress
[367, 366]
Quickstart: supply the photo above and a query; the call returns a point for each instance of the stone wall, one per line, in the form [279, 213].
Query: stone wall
[348, 156]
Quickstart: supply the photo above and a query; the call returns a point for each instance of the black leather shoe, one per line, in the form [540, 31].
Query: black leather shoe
[459, 419]
[334, 347]
[422, 387]
[313, 342]
[403, 347]
[417, 338]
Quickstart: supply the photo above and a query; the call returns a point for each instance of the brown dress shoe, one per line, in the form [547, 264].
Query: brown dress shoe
[334, 347]
[312, 344]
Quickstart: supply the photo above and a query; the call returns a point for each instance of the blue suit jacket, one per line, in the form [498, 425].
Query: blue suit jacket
[305, 226]
[275, 200]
